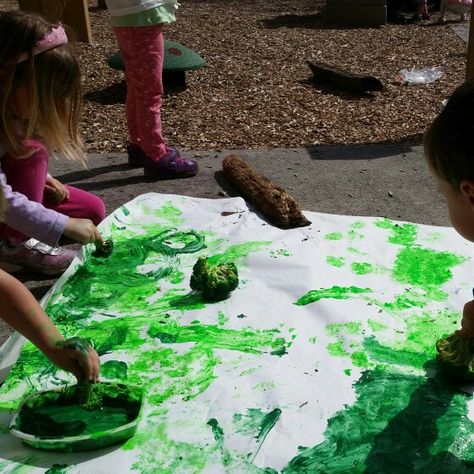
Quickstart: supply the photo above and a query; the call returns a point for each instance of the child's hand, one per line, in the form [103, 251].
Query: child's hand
[76, 355]
[467, 322]
[55, 191]
[82, 230]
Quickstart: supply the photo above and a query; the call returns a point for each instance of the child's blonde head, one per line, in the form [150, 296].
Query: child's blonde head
[449, 141]
[52, 84]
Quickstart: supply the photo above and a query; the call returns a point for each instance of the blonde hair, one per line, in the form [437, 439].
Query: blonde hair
[52, 82]
[449, 141]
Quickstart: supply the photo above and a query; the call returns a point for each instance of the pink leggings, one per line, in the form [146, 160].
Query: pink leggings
[28, 177]
[143, 52]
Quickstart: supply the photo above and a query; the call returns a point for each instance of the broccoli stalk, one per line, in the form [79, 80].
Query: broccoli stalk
[215, 282]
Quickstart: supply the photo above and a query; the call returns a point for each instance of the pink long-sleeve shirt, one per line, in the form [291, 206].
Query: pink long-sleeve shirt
[29, 217]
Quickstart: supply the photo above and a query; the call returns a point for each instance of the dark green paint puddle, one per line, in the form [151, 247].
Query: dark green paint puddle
[57, 414]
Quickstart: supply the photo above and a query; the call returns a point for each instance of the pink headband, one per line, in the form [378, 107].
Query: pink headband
[56, 37]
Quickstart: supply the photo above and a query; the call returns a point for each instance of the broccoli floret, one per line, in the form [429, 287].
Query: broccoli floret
[104, 249]
[215, 282]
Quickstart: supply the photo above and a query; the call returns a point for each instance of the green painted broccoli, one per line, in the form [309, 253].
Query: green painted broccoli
[215, 282]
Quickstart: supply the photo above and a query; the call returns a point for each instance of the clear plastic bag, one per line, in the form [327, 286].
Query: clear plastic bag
[419, 76]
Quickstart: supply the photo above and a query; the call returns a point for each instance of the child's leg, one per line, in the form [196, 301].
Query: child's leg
[142, 49]
[81, 205]
[28, 177]
[442, 10]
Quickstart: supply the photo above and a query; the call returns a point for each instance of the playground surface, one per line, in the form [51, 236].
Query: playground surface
[366, 176]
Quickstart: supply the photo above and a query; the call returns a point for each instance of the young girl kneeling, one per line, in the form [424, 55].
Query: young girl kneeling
[40, 102]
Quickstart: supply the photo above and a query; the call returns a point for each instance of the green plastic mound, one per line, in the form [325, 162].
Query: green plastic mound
[177, 58]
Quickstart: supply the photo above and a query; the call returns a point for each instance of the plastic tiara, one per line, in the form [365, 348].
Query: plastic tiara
[56, 37]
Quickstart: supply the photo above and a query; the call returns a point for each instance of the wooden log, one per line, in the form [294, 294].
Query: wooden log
[272, 200]
[356, 83]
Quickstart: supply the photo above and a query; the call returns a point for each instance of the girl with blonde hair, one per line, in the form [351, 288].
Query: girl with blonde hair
[40, 104]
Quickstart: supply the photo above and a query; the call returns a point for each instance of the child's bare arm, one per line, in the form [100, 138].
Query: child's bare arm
[23, 313]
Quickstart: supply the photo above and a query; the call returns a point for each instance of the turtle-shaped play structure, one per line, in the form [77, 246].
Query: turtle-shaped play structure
[178, 59]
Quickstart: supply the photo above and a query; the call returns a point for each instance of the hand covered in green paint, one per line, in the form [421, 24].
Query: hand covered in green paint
[467, 322]
[76, 357]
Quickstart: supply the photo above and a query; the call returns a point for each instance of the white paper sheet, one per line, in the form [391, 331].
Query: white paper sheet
[323, 359]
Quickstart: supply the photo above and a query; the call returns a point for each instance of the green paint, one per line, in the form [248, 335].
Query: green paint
[361, 268]
[114, 369]
[244, 340]
[312, 340]
[218, 433]
[267, 424]
[348, 372]
[335, 292]
[337, 349]
[353, 327]
[423, 267]
[360, 359]
[334, 236]
[57, 469]
[405, 423]
[222, 318]
[335, 261]
[264, 386]
[256, 423]
[280, 253]
[56, 414]
[376, 326]
[401, 234]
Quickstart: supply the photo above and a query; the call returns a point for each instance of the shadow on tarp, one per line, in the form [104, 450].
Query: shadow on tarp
[407, 442]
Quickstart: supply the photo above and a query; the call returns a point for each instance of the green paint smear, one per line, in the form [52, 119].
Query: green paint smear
[58, 414]
[401, 234]
[57, 469]
[246, 340]
[218, 433]
[423, 267]
[361, 268]
[335, 292]
[353, 327]
[334, 236]
[405, 423]
[337, 349]
[114, 369]
[335, 261]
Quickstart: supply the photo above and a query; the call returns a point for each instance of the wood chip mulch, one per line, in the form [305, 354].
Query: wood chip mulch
[255, 90]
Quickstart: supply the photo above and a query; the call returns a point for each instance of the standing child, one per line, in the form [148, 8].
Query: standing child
[40, 99]
[461, 7]
[23, 313]
[449, 151]
[138, 26]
